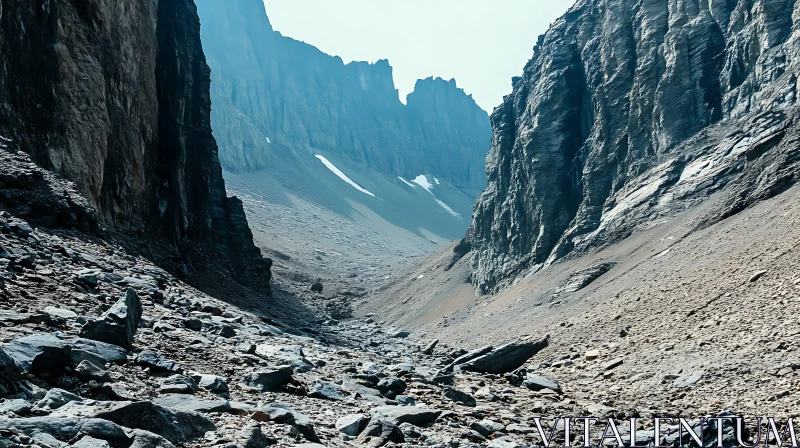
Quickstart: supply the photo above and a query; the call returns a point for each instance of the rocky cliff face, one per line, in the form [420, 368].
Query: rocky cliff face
[628, 112]
[114, 96]
[274, 94]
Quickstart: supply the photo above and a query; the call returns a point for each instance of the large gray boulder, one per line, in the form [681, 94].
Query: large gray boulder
[39, 354]
[506, 358]
[281, 413]
[406, 414]
[117, 325]
[269, 379]
[177, 426]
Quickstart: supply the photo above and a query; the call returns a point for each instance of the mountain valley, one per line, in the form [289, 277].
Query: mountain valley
[214, 235]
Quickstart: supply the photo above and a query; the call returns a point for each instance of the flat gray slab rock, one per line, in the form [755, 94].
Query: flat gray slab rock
[406, 414]
[175, 425]
[506, 358]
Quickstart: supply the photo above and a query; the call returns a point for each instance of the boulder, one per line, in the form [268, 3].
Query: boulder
[56, 398]
[406, 414]
[210, 382]
[460, 397]
[428, 350]
[175, 425]
[505, 358]
[267, 380]
[325, 391]
[487, 427]
[382, 431]
[537, 382]
[117, 325]
[185, 402]
[39, 354]
[281, 413]
[178, 384]
[67, 428]
[153, 361]
[88, 371]
[689, 380]
[90, 442]
[255, 438]
[391, 386]
[352, 424]
[287, 354]
[98, 353]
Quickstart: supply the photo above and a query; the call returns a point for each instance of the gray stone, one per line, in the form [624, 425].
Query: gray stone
[325, 391]
[487, 427]
[117, 325]
[352, 424]
[608, 365]
[88, 371]
[67, 428]
[210, 382]
[60, 313]
[178, 384]
[506, 358]
[40, 354]
[175, 425]
[255, 438]
[153, 361]
[537, 382]
[185, 402]
[90, 442]
[286, 354]
[391, 386]
[406, 414]
[267, 380]
[689, 380]
[382, 431]
[280, 413]
[460, 397]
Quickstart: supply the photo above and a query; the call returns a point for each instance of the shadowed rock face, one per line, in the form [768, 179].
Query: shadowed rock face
[114, 96]
[631, 110]
[275, 96]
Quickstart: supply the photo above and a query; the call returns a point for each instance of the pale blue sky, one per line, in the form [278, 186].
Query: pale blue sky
[480, 43]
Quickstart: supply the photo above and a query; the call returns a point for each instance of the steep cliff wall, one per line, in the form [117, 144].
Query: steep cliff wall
[114, 96]
[274, 94]
[630, 111]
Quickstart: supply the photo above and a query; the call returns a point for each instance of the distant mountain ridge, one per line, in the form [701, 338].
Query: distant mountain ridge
[271, 93]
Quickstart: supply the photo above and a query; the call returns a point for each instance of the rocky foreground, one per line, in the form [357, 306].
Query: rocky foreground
[101, 348]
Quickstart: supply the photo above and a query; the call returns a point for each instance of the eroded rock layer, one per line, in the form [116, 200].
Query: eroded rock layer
[630, 111]
[114, 96]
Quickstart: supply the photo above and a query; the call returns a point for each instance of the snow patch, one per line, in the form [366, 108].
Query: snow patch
[423, 182]
[342, 176]
[446, 207]
[407, 182]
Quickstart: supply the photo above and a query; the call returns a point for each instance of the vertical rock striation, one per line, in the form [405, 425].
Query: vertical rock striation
[274, 96]
[114, 96]
[629, 110]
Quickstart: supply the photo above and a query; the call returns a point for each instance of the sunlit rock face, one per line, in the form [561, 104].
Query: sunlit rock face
[630, 111]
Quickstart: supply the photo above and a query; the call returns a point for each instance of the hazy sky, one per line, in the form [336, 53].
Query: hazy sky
[480, 43]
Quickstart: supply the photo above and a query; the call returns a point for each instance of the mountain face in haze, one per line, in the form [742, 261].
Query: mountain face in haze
[273, 95]
[629, 112]
[115, 98]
